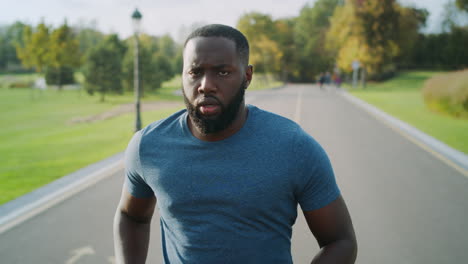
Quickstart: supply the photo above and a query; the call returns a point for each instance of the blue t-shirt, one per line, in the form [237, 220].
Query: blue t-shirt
[234, 200]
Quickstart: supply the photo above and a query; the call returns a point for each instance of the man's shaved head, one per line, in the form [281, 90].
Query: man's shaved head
[218, 30]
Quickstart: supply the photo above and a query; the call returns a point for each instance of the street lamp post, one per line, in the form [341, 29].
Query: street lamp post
[136, 18]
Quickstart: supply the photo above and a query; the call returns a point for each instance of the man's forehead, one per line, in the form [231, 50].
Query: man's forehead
[204, 44]
[218, 50]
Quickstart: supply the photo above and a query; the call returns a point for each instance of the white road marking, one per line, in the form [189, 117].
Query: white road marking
[79, 253]
[111, 259]
[297, 114]
[414, 135]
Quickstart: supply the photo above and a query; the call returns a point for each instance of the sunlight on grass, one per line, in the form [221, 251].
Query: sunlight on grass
[401, 97]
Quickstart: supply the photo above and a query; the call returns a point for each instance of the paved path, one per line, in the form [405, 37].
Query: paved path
[407, 206]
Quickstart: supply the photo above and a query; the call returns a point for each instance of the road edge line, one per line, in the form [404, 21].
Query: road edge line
[452, 157]
[31, 208]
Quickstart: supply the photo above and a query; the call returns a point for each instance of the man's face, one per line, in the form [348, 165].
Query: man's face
[214, 81]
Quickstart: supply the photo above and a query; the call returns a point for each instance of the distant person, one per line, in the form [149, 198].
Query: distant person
[337, 80]
[227, 177]
[321, 80]
[327, 78]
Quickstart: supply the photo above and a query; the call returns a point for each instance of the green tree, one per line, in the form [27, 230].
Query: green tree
[259, 29]
[63, 55]
[34, 51]
[178, 61]
[167, 46]
[163, 69]
[253, 25]
[310, 31]
[103, 69]
[454, 14]
[284, 37]
[10, 37]
[88, 37]
[410, 22]
[379, 20]
[462, 4]
[155, 67]
[146, 67]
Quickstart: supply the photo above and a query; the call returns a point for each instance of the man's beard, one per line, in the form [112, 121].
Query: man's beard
[209, 125]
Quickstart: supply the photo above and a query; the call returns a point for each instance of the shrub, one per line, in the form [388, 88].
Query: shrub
[61, 76]
[20, 84]
[448, 93]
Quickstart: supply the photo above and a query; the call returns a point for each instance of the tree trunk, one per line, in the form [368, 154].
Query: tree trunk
[59, 78]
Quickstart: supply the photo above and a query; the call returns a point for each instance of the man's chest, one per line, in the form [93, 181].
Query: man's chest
[216, 179]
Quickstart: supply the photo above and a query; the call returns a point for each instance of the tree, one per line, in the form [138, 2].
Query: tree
[167, 46]
[33, 52]
[64, 55]
[103, 69]
[366, 31]
[88, 37]
[410, 22]
[163, 69]
[310, 31]
[178, 61]
[379, 20]
[454, 14]
[155, 56]
[462, 4]
[10, 37]
[265, 53]
[284, 37]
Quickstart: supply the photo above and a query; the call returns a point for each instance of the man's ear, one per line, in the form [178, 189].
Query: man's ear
[248, 75]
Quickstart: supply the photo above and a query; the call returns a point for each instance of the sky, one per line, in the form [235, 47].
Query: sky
[173, 17]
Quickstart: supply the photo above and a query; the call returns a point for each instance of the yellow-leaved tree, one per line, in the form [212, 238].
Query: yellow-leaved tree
[265, 53]
[366, 31]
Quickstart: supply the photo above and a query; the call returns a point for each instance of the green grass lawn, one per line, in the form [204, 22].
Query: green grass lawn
[401, 97]
[39, 142]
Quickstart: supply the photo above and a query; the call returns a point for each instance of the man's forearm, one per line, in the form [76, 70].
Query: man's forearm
[131, 239]
[339, 252]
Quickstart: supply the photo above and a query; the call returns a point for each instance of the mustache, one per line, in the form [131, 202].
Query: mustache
[208, 100]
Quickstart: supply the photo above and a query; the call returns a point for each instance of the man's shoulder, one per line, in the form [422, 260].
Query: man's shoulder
[282, 129]
[274, 122]
[165, 125]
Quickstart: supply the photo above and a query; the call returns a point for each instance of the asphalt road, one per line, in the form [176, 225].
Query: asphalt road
[407, 206]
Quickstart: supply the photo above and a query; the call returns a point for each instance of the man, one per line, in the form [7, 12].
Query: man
[227, 177]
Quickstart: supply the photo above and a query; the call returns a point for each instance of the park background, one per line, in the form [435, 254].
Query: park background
[67, 94]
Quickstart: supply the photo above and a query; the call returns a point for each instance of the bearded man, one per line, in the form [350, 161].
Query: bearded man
[227, 177]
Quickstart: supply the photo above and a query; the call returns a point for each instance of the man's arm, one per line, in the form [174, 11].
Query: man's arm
[333, 229]
[132, 228]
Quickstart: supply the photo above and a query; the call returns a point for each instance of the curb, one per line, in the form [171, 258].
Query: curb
[450, 154]
[24, 207]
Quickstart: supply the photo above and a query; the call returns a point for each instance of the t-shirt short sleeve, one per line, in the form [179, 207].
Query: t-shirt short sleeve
[134, 179]
[316, 184]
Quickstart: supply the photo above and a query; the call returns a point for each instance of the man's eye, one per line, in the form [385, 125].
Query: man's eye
[194, 72]
[223, 73]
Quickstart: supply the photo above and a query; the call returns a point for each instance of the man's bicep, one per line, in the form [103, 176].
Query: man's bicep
[139, 209]
[330, 223]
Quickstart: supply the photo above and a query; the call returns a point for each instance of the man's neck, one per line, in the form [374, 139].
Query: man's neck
[233, 128]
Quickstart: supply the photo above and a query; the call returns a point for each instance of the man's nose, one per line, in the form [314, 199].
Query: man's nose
[207, 84]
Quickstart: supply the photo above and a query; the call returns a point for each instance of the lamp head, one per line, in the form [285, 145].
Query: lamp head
[136, 18]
